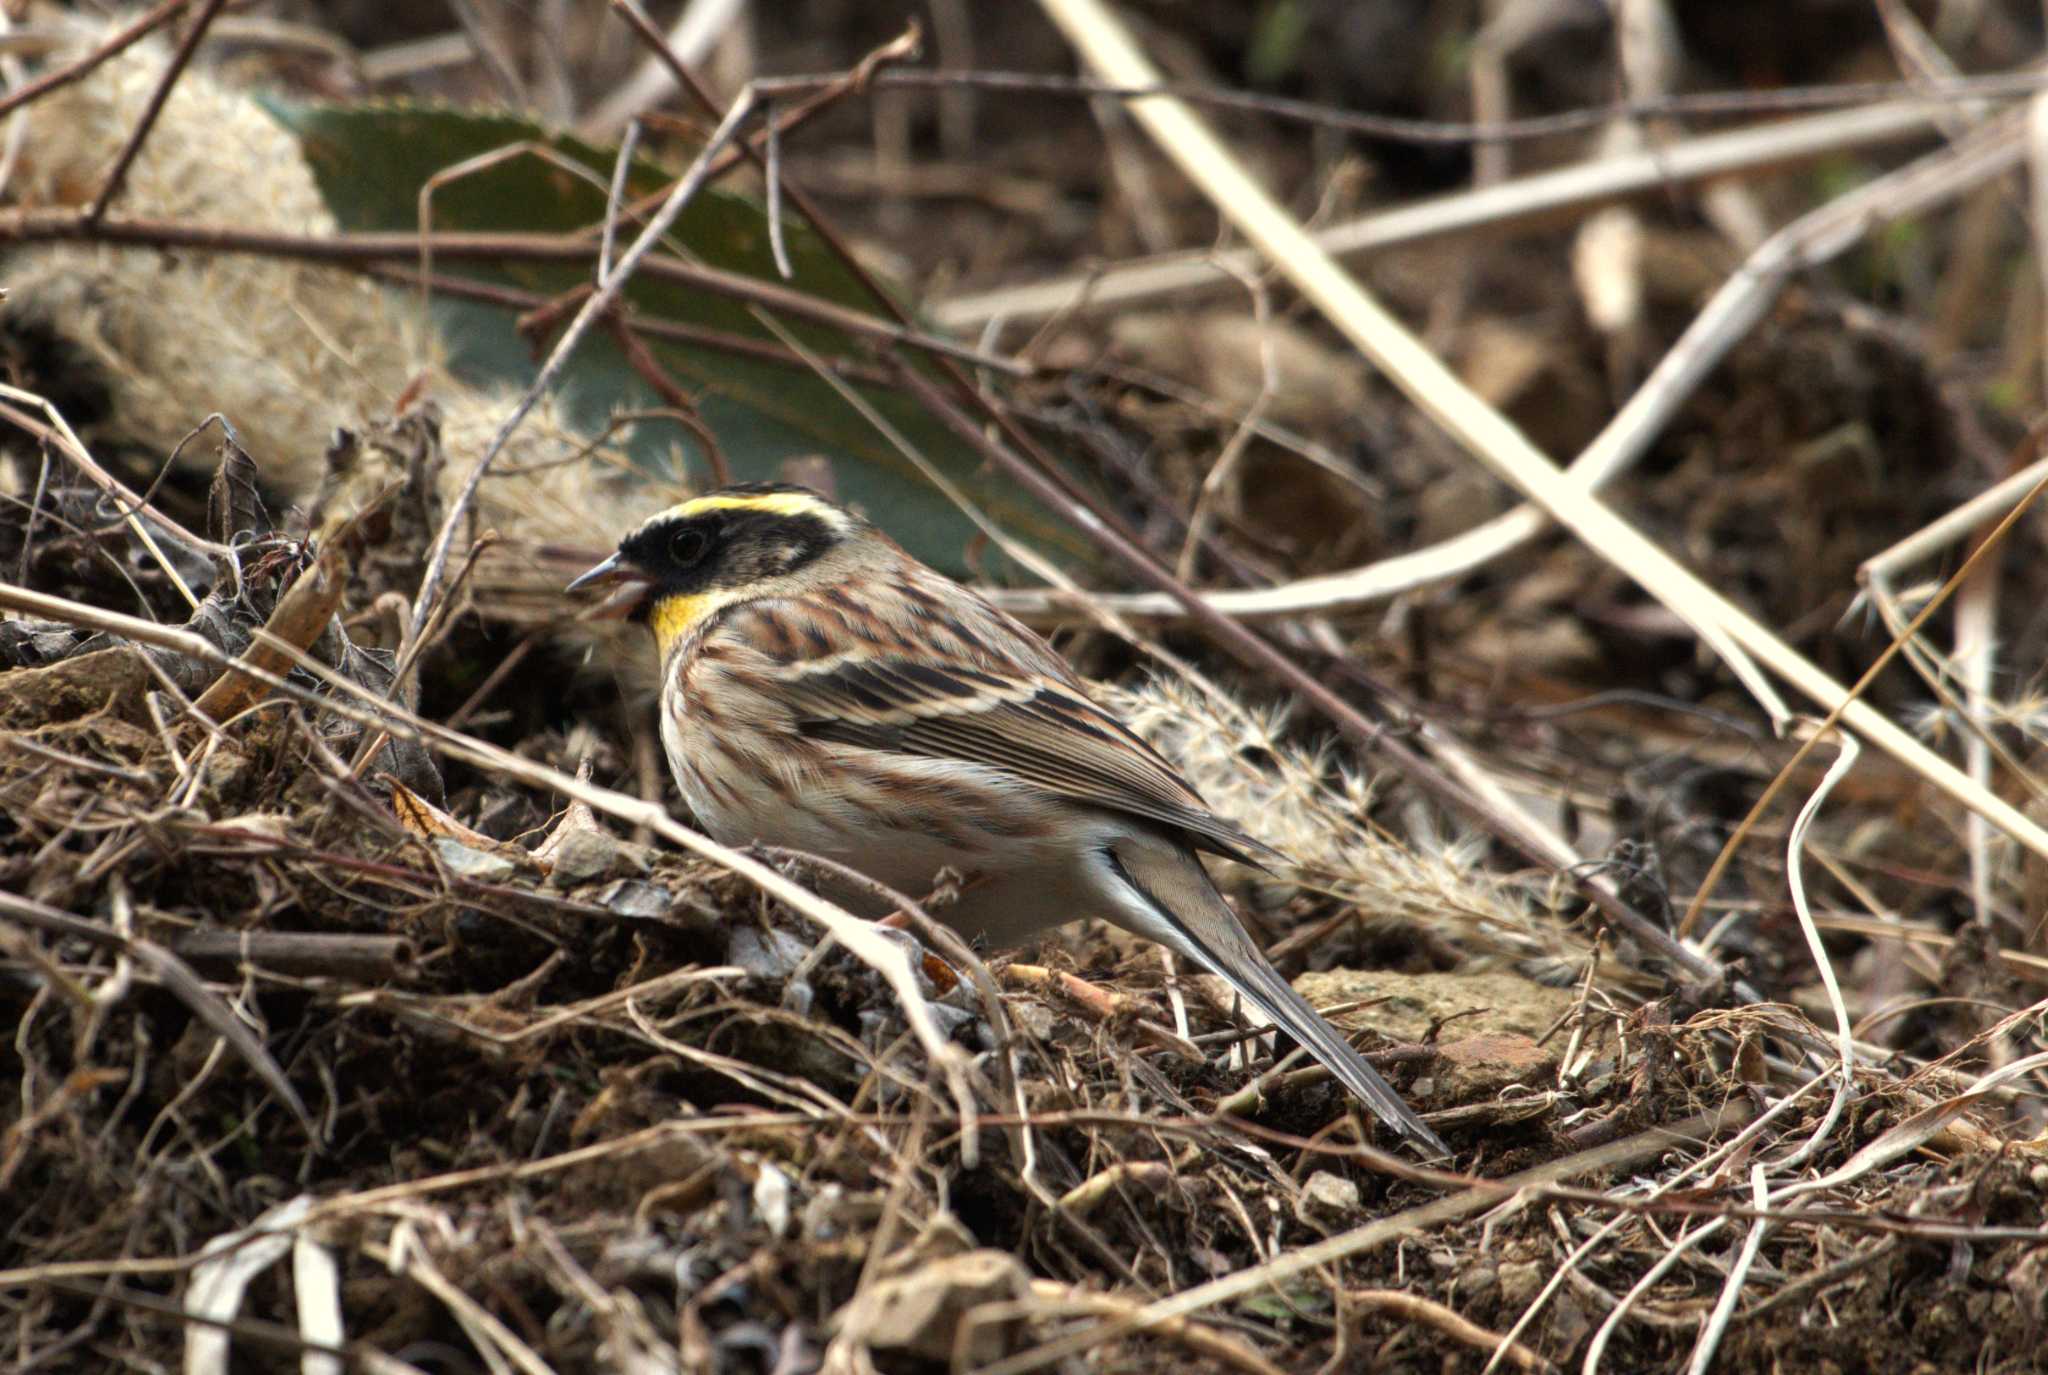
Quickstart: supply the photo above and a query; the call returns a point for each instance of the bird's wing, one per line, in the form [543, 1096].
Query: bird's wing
[1041, 728]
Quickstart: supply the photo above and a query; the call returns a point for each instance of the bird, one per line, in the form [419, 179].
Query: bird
[823, 690]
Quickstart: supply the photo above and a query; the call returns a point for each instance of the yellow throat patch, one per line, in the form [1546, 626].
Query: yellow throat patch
[673, 616]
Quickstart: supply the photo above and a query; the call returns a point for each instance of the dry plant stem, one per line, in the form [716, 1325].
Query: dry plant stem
[1249, 1099]
[186, 47]
[1569, 1267]
[599, 304]
[1225, 465]
[1927, 65]
[1414, 1308]
[254, 1333]
[1807, 1285]
[1023, 1145]
[1149, 1176]
[1249, 648]
[1899, 642]
[1537, 198]
[1816, 237]
[1412, 1222]
[1879, 929]
[1738, 1273]
[1100, 1005]
[822, 93]
[1688, 1241]
[297, 619]
[417, 639]
[1795, 877]
[360, 251]
[307, 954]
[642, 360]
[489, 48]
[58, 434]
[1485, 434]
[696, 30]
[371, 712]
[1975, 655]
[500, 156]
[115, 44]
[946, 363]
[512, 298]
[500, 1348]
[1974, 623]
[772, 169]
[897, 49]
[1969, 91]
[931, 932]
[1938, 534]
[767, 159]
[622, 167]
[1051, 1295]
[177, 976]
[587, 1010]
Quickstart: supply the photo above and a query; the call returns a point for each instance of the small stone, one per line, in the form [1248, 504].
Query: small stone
[1479, 1067]
[1034, 1019]
[464, 862]
[579, 849]
[1328, 1200]
[772, 1193]
[1519, 1283]
[951, 1019]
[630, 897]
[919, 1313]
[588, 853]
[227, 772]
[770, 954]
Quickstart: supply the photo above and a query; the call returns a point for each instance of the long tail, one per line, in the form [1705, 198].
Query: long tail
[1174, 886]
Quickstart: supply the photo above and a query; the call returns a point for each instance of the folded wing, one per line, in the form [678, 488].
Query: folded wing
[1043, 731]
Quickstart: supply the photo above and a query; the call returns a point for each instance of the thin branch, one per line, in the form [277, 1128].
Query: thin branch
[190, 44]
[1959, 90]
[599, 304]
[356, 250]
[115, 44]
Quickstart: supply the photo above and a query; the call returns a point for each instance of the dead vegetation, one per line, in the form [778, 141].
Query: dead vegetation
[367, 1009]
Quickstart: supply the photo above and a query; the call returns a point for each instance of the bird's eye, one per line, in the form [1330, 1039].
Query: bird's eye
[688, 547]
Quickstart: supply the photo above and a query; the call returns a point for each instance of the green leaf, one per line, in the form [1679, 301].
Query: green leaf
[371, 163]
[1276, 42]
[1286, 1308]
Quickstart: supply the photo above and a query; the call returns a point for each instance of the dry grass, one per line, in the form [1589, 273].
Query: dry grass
[384, 1018]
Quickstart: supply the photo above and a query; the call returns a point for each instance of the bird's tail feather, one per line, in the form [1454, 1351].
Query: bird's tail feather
[1183, 894]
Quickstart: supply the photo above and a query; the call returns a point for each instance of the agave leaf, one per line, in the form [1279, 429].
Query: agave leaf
[371, 163]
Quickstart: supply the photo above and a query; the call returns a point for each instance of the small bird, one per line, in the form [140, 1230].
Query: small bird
[824, 691]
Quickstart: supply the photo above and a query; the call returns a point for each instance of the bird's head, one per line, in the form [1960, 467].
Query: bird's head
[755, 539]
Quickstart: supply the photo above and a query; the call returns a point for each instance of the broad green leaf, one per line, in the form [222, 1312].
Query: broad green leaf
[371, 163]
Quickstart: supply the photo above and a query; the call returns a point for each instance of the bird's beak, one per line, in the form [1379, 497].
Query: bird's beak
[629, 584]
